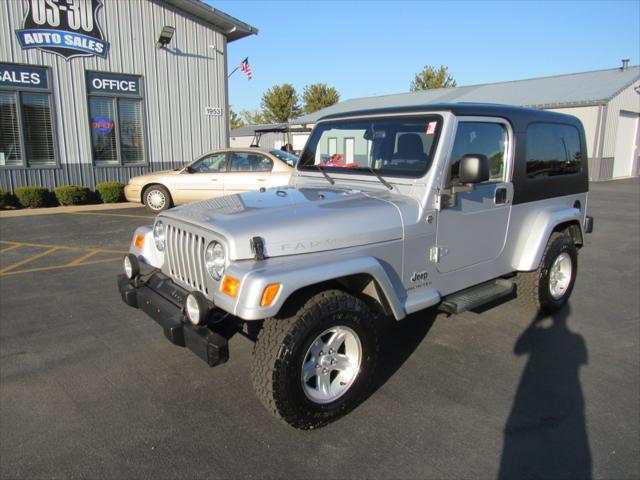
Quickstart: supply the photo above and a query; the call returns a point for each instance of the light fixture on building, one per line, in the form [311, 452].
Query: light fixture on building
[165, 36]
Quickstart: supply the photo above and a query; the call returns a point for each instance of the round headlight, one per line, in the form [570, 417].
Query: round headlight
[131, 266]
[195, 308]
[158, 235]
[215, 260]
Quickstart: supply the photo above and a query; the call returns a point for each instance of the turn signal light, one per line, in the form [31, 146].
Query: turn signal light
[269, 294]
[139, 241]
[230, 286]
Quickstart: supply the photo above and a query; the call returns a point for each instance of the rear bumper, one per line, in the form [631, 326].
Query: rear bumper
[163, 301]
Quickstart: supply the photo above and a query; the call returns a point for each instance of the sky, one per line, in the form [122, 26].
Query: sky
[365, 48]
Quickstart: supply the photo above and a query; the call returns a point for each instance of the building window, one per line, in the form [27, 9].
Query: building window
[116, 119]
[552, 149]
[26, 125]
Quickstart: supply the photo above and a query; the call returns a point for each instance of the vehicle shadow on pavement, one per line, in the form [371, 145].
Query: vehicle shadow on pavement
[399, 341]
[545, 435]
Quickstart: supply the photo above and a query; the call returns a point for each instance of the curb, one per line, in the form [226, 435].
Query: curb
[28, 212]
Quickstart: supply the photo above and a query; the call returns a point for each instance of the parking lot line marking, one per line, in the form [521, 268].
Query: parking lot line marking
[63, 247]
[59, 267]
[9, 248]
[30, 259]
[81, 259]
[148, 217]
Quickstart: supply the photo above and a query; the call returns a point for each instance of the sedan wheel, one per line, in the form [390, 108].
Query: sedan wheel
[157, 198]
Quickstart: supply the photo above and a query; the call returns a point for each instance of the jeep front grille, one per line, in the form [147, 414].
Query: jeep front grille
[185, 258]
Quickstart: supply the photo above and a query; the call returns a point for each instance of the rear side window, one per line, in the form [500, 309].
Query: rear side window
[553, 149]
[250, 162]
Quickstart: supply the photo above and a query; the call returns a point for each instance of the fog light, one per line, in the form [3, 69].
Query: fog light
[196, 308]
[131, 266]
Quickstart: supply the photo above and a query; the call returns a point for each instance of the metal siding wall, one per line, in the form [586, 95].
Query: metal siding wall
[179, 82]
[627, 100]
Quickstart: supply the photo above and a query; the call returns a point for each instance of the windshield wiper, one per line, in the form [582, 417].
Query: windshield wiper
[326, 175]
[379, 177]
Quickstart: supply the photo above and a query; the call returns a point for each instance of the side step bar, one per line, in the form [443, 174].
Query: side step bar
[476, 296]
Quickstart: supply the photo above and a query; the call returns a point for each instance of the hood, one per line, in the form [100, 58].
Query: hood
[295, 221]
[155, 176]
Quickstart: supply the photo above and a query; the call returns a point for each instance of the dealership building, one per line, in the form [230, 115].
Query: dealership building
[96, 90]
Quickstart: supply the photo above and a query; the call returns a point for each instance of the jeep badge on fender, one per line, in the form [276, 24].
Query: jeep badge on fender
[449, 206]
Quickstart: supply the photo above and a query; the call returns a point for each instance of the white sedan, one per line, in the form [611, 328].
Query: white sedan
[217, 173]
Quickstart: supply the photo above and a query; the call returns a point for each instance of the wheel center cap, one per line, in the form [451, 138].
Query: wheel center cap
[325, 361]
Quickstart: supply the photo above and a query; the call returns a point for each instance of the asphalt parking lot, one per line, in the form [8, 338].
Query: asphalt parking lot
[90, 387]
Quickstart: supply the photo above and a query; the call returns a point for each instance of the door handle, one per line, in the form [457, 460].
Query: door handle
[500, 196]
[214, 179]
[262, 179]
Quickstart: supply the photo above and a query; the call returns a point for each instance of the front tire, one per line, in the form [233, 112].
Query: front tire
[549, 287]
[156, 198]
[317, 365]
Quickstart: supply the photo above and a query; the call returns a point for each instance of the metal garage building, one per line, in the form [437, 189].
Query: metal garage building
[95, 90]
[606, 101]
[272, 135]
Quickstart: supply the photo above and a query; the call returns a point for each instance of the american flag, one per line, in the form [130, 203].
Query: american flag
[244, 66]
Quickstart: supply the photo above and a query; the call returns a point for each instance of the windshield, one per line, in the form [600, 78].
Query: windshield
[399, 146]
[285, 157]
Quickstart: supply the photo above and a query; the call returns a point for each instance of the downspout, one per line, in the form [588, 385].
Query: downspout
[603, 128]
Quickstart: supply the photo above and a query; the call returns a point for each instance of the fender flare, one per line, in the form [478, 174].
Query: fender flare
[293, 276]
[531, 245]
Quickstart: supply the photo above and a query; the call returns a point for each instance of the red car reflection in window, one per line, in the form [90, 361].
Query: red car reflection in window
[337, 160]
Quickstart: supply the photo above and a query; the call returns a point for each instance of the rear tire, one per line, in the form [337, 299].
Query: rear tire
[549, 287]
[156, 198]
[315, 366]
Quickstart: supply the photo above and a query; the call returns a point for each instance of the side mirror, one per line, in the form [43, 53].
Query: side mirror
[474, 168]
[188, 169]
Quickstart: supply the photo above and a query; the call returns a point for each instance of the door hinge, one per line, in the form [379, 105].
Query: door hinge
[436, 253]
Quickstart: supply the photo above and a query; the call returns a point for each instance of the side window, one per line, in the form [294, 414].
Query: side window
[250, 162]
[211, 164]
[552, 149]
[485, 138]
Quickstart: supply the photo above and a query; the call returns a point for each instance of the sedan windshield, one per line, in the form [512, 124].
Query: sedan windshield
[399, 146]
[287, 157]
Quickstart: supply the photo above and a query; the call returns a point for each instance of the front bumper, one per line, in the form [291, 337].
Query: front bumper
[163, 301]
[133, 193]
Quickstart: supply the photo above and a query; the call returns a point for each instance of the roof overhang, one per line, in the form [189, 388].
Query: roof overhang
[229, 26]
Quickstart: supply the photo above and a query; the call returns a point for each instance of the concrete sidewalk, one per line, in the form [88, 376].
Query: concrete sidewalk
[28, 212]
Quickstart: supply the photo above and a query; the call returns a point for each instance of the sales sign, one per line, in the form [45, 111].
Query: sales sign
[68, 28]
[23, 76]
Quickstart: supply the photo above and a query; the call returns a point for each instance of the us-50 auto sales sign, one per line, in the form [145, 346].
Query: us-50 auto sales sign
[68, 28]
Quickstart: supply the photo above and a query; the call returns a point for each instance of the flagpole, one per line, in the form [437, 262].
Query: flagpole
[234, 71]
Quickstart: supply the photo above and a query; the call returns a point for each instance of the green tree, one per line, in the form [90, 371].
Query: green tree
[253, 118]
[318, 96]
[431, 77]
[280, 103]
[234, 119]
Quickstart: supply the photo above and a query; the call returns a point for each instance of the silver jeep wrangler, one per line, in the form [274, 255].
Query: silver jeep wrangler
[389, 212]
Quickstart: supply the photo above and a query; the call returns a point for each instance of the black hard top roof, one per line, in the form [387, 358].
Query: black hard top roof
[518, 116]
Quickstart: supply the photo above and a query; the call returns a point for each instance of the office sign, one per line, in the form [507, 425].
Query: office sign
[68, 28]
[23, 76]
[98, 82]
